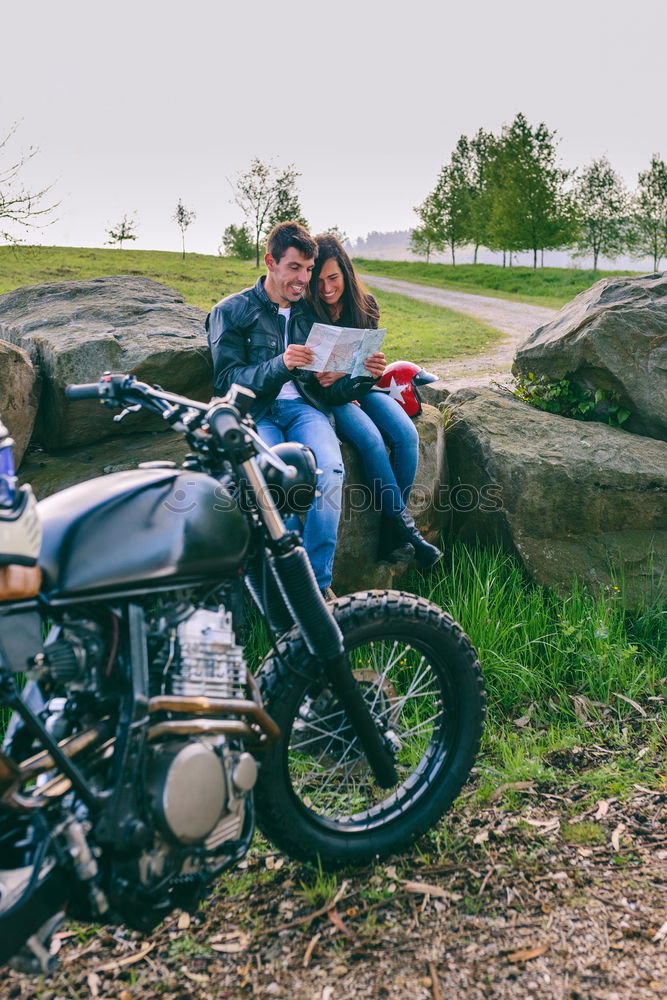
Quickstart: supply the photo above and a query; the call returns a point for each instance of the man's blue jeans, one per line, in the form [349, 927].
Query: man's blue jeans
[296, 420]
[381, 422]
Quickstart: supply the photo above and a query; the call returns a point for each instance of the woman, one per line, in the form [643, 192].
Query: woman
[378, 420]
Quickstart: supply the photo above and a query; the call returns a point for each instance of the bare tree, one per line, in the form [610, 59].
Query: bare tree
[263, 193]
[183, 217]
[123, 230]
[19, 206]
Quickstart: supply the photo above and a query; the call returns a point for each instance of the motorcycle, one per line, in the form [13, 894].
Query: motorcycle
[140, 750]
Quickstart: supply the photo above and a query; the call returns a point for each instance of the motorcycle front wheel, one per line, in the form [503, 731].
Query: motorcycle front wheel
[316, 797]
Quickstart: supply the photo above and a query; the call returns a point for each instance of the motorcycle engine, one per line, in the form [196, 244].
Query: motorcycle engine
[197, 785]
[210, 661]
[198, 794]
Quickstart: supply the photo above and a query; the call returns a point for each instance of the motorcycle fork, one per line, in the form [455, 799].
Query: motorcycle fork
[296, 581]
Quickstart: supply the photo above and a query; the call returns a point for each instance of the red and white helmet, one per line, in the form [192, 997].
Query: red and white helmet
[400, 381]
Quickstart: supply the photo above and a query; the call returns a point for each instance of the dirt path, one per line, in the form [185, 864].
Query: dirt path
[516, 320]
[542, 892]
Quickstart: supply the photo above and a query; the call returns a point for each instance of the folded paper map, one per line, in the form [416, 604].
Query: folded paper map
[341, 348]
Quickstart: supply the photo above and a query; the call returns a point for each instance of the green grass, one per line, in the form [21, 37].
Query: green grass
[547, 286]
[542, 649]
[415, 331]
[201, 279]
[419, 332]
[566, 656]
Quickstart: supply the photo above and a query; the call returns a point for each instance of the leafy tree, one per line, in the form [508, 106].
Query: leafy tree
[183, 218]
[427, 237]
[267, 195]
[481, 151]
[237, 242]
[650, 212]
[452, 197]
[601, 205]
[287, 207]
[20, 207]
[529, 208]
[123, 230]
[336, 231]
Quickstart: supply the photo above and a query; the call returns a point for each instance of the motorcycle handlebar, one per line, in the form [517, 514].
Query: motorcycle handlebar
[87, 390]
[225, 426]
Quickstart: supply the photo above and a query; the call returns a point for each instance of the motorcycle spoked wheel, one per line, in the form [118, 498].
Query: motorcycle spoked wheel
[316, 797]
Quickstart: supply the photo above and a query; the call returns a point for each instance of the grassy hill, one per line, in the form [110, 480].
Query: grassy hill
[415, 330]
[547, 286]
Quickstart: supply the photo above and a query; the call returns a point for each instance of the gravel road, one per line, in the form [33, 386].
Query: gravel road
[516, 320]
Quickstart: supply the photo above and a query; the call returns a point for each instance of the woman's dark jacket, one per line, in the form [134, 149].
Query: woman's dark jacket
[245, 335]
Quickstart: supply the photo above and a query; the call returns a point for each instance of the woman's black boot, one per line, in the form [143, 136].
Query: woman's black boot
[406, 530]
[392, 548]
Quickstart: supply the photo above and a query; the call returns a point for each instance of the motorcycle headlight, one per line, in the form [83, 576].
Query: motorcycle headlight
[293, 494]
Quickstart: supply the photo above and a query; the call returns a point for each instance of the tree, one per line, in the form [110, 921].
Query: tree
[237, 242]
[601, 206]
[426, 237]
[339, 233]
[481, 151]
[451, 206]
[267, 195]
[650, 212]
[123, 230]
[183, 217]
[529, 208]
[20, 207]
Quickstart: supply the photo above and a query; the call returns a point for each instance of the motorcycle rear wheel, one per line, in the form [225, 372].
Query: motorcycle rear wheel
[316, 797]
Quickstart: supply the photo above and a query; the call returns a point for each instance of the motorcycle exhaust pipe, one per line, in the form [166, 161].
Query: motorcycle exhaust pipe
[198, 705]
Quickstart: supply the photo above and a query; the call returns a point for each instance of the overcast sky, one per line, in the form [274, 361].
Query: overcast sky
[136, 104]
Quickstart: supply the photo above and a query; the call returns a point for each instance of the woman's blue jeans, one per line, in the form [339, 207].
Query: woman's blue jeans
[296, 420]
[381, 422]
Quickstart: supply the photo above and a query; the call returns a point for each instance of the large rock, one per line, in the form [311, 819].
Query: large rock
[574, 500]
[614, 337]
[75, 330]
[355, 567]
[49, 472]
[18, 395]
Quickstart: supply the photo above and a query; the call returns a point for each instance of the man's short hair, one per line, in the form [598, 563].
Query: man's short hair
[290, 234]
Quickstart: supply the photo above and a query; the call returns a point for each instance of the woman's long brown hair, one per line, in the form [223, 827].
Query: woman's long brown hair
[357, 302]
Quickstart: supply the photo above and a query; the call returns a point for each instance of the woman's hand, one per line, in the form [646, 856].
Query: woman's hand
[328, 378]
[375, 364]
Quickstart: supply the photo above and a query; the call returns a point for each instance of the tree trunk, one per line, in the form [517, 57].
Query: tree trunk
[542, 258]
[595, 260]
[510, 258]
[453, 255]
[534, 258]
[474, 259]
[504, 260]
[183, 237]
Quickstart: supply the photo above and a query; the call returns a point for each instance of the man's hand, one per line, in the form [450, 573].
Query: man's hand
[375, 364]
[297, 355]
[328, 378]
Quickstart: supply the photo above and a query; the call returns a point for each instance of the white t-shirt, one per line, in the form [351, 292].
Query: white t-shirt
[289, 390]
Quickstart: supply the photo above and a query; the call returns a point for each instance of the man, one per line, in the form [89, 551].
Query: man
[257, 339]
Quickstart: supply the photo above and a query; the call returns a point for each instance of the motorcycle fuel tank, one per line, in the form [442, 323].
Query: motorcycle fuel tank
[137, 527]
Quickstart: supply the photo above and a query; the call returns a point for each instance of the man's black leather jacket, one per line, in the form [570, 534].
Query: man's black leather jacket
[245, 335]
